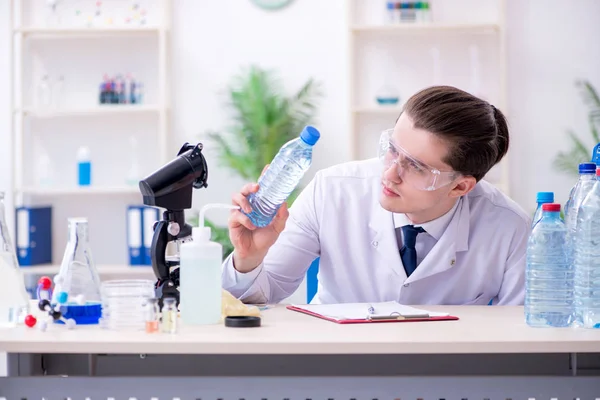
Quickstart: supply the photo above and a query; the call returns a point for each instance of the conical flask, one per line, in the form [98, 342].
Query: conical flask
[77, 285]
[14, 299]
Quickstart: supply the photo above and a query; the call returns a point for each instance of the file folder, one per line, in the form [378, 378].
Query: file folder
[33, 232]
[354, 313]
[134, 235]
[150, 216]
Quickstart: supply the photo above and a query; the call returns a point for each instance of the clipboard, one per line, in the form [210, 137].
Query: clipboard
[360, 313]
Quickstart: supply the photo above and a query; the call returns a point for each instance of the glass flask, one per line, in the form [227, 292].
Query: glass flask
[14, 299]
[77, 285]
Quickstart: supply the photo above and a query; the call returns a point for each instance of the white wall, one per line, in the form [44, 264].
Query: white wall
[547, 52]
[549, 48]
[214, 40]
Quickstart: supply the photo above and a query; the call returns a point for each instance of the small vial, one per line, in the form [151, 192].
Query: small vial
[152, 316]
[169, 316]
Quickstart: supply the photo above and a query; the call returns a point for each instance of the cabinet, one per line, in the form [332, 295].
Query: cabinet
[456, 42]
[62, 51]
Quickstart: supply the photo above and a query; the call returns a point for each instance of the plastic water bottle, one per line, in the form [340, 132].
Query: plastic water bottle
[587, 178]
[283, 175]
[542, 198]
[587, 260]
[549, 298]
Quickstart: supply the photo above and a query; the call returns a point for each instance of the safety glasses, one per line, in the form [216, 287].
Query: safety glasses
[410, 170]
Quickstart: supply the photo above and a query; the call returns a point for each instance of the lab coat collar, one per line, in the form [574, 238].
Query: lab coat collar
[439, 259]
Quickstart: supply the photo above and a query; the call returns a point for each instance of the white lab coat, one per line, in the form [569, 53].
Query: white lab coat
[337, 217]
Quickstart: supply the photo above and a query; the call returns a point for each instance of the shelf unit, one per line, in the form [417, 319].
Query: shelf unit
[72, 191]
[372, 38]
[69, 32]
[102, 200]
[117, 270]
[105, 110]
[416, 27]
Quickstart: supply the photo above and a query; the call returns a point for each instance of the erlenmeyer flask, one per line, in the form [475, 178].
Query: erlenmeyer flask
[14, 300]
[77, 285]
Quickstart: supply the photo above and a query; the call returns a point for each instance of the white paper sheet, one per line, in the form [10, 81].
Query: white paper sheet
[347, 311]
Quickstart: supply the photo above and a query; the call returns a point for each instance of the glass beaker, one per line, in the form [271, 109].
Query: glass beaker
[14, 299]
[77, 285]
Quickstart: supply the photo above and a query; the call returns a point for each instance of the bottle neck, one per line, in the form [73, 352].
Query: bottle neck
[78, 232]
[551, 214]
[304, 144]
[588, 177]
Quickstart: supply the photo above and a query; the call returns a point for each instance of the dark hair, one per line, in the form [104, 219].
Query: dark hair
[476, 131]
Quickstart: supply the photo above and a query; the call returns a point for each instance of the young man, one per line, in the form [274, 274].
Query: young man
[416, 225]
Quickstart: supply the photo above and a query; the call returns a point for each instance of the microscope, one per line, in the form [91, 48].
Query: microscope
[170, 187]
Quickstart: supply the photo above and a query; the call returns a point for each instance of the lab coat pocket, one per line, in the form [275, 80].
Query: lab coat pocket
[480, 300]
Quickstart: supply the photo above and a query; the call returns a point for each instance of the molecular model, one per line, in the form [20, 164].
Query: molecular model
[44, 294]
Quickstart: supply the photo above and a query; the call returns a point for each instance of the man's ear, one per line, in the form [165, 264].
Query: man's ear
[462, 186]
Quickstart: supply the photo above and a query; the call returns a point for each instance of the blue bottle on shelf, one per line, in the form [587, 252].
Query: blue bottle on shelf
[542, 198]
[549, 275]
[283, 175]
[84, 166]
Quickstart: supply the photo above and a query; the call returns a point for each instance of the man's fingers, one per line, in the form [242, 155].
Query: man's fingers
[249, 188]
[237, 220]
[239, 199]
[281, 218]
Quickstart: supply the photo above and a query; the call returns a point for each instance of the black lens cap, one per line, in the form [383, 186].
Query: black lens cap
[242, 321]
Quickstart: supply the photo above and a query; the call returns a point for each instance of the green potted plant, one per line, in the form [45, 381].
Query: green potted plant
[581, 151]
[263, 118]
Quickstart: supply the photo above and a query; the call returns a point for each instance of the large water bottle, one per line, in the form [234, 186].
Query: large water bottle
[549, 298]
[587, 178]
[283, 175]
[541, 199]
[587, 260]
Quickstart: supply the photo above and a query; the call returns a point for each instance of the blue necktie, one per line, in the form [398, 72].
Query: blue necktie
[408, 253]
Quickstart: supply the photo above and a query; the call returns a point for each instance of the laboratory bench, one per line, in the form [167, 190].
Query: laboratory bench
[488, 353]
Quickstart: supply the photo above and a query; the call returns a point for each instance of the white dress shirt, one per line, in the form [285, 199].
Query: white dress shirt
[434, 230]
[480, 255]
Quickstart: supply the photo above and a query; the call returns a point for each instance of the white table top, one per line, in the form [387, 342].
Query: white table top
[481, 329]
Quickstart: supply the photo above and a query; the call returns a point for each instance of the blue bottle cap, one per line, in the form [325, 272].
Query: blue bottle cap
[596, 154]
[310, 135]
[587, 168]
[545, 197]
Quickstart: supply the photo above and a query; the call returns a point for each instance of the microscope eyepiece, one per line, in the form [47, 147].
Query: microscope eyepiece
[171, 186]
